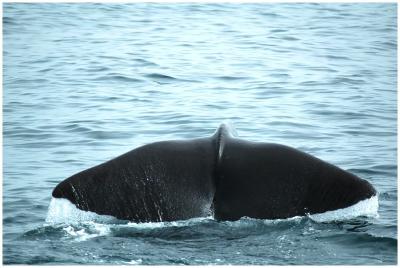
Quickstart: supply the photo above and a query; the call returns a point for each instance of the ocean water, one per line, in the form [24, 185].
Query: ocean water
[83, 83]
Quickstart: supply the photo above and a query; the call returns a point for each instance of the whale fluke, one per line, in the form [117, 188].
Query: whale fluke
[222, 175]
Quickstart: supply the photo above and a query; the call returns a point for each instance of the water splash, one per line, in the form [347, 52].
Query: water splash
[88, 231]
[63, 211]
[134, 262]
[368, 207]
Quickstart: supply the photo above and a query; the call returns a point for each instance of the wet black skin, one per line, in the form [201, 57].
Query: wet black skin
[162, 181]
[220, 175]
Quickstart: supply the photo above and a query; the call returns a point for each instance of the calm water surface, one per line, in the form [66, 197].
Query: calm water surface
[83, 83]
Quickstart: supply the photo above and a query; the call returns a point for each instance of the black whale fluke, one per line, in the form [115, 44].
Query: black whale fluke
[221, 175]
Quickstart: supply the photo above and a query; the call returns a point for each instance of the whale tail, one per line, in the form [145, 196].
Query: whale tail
[178, 180]
[262, 180]
[162, 181]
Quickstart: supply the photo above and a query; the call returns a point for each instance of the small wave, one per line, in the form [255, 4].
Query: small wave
[361, 237]
[278, 30]
[47, 232]
[368, 207]
[28, 81]
[8, 20]
[158, 76]
[88, 231]
[38, 61]
[336, 57]
[31, 135]
[118, 78]
[347, 81]
[312, 83]
[291, 124]
[389, 44]
[78, 232]
[280, 75]
[270, 14]
[45, 70]
[231, 78]
[369, 238]
[97, 69]
[144, 62]
[75, 127]
[390, 195]
[109, 57]
[290, 38]
[163, 78]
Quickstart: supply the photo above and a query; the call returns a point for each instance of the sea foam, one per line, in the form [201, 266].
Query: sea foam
[62, 210]
[368, 207]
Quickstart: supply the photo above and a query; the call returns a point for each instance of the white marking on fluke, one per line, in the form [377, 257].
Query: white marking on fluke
[62, 210]
[367, 207]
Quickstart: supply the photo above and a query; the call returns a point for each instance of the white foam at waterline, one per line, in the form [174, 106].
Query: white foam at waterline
[368, 207]
[90, 231]
[62, 210]
[179, 223]
[134, 262]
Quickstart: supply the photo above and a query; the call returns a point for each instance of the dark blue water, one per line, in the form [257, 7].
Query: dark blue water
[83, 83]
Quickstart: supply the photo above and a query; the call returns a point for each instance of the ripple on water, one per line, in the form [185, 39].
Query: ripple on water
[159, 76]
[118, 78]
[231, 77]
